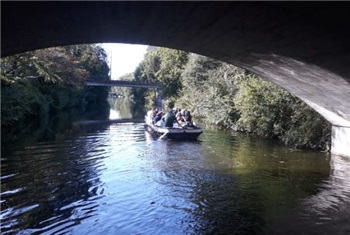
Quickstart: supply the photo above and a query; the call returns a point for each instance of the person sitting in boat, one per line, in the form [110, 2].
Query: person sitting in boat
[188, 118]
[155, 112]
[175, 110]
[180, 116]
[151, 113]
[177, 113]
[169, 119]
[160, 123]
[158, 117]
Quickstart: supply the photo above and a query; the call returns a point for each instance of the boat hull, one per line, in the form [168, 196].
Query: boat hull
[188, 133]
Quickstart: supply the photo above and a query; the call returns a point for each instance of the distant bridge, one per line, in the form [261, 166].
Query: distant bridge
[121, 83]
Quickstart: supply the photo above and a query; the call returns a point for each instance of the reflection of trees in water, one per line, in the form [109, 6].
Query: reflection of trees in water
[245, 184]
[121, 106]
[335, 190]
[224, 206]
[274, 179]
[50, 127]
[49, 182]
[138, 111]
[327, 211]
[54, 178]
[127, 108]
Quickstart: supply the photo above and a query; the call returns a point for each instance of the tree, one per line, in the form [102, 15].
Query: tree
[270, 111]
[49, 80]
[209, 88]
[164, 66]
[169, 75]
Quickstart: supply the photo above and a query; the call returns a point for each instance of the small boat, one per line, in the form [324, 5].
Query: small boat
[176, 132]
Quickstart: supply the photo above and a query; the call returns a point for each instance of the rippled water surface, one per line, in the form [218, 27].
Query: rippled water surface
[116, 178]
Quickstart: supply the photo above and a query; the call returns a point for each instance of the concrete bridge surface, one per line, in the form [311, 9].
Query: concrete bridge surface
[303, 47]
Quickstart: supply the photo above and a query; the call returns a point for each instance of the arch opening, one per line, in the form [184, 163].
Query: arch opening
[305, 53]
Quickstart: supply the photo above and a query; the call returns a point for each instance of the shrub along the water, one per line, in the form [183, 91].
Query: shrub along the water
[268, 110]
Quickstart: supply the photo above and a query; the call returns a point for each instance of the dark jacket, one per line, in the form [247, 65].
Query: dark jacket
[169, 119]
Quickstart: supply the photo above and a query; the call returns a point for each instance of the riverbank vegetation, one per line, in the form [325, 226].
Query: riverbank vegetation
[45, 81]
[229, 97]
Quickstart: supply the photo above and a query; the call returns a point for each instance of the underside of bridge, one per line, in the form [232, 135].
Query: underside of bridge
[302, 46]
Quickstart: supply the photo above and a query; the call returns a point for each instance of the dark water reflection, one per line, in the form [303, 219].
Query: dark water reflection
[115, 178]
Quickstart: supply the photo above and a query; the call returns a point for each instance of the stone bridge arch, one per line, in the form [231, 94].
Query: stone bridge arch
[303, 47]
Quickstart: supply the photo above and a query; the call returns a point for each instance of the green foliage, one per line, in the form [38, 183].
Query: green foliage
[226, 96]
[23, 99]
[262, 107]
[267, 110]
[48, 80]
[139, 93]
[307, 129]
[169, 75]
[164, 66]
[209, 88]
[92, 58]
[124, 91]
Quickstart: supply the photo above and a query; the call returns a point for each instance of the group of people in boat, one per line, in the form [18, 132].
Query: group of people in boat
[182, 117]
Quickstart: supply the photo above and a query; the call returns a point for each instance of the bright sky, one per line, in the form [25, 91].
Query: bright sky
[125, 57]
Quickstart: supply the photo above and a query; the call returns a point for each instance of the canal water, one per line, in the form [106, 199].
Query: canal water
[85, 174]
